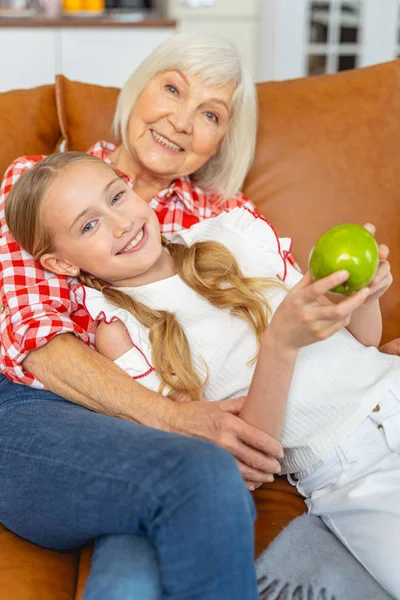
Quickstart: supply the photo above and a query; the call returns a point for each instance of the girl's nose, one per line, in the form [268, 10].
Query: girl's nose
[121, 224]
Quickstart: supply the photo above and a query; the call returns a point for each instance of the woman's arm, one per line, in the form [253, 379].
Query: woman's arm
[66, 366]
[72, 370]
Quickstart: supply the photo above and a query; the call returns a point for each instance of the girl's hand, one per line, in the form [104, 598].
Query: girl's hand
[383, 278]
[392, 347]
[305, 316]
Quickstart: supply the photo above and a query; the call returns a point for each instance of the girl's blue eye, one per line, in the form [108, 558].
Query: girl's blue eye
[116, 198]
[171, 88]
[212, 117]
[89, 226]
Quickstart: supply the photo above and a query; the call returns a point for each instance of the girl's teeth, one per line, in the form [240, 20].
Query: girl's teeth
[162, 140]
[134, 242]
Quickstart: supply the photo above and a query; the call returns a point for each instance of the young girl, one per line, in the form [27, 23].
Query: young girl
[218, 311]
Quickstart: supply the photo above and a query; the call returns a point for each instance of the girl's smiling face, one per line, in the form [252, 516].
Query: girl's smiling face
[99, 225]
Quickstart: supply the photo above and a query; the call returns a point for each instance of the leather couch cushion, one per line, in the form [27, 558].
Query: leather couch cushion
[29, 572]
[328, 152]
[28, 124]
[85, 112]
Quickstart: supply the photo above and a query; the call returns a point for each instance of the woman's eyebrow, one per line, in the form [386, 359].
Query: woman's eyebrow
[218, 101]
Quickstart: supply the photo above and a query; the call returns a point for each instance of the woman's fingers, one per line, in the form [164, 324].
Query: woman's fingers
[258, 440]
[233, 406]
[252, 477]
[255, 463]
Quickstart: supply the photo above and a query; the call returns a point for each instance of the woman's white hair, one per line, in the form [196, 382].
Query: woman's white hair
[217, 62]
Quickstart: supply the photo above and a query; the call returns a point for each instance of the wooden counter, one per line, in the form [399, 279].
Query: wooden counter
[85, 21]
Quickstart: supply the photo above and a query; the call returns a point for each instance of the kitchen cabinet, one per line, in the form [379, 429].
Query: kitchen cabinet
[104, 55]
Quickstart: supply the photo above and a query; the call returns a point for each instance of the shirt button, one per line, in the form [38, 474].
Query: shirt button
[2, 308]
[377, 408]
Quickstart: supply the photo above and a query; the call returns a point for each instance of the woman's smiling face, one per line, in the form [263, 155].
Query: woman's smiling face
[177, 123]
[99, 225]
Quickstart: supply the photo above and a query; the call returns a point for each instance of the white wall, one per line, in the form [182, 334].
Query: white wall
[236, 20]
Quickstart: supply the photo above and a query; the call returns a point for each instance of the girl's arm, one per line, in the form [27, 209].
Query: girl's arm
[265, 406]
[366, 324]
[301, 319]
[112, 339]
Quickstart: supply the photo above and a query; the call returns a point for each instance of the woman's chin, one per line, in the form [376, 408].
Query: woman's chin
[162, 163]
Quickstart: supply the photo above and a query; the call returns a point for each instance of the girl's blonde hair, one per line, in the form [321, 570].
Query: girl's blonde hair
[216, 62]
[206, 267]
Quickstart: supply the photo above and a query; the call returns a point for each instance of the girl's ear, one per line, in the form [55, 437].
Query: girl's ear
[59, 266]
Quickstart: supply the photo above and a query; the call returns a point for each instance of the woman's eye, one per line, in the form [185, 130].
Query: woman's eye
[172, 89]
[116, 198]
[212, 117]
[89, 226]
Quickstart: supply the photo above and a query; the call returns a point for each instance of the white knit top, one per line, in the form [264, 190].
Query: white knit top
[336, 382]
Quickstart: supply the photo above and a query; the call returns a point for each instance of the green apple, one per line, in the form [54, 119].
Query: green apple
[351, 248]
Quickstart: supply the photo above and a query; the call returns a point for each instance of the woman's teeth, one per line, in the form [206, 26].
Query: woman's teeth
[164, 142]
[134, 242]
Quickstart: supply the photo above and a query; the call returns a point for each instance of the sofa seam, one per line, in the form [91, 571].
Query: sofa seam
[60, 107]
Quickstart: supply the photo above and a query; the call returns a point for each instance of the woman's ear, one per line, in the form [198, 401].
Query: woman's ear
[59, 266]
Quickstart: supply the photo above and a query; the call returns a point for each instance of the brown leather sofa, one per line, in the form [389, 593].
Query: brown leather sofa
[328, 152]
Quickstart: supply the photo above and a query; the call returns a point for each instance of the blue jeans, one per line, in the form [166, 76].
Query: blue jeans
[124, 567]
[304, 561]
[69, 475]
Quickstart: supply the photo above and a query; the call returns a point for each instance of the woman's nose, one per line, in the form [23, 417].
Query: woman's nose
[182, 120]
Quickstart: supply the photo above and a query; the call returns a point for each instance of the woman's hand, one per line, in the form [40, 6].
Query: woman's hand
[383, 278]
[305, 316]
[255, 451]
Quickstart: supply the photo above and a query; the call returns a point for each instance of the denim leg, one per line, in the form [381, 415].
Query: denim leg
[70, 475]
[124, 567]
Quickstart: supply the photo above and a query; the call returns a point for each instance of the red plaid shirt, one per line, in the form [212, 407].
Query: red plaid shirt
[36, 305]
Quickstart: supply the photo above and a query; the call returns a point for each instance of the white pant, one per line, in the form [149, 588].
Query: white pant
[357, 492]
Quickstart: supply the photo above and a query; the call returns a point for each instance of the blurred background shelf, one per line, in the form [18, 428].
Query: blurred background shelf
[277, 39]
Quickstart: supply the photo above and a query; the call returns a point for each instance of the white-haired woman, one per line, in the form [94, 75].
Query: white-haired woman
[97, 455]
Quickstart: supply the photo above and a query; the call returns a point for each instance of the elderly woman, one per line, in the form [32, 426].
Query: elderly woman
[97, 456]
